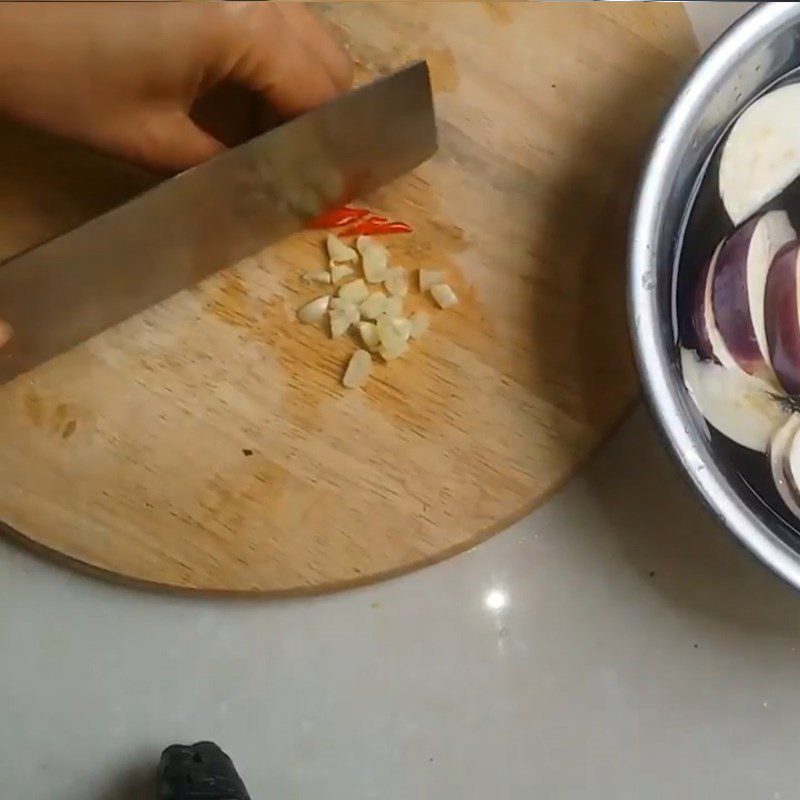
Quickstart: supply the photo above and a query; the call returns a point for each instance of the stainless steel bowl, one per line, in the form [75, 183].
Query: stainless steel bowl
[759, 49]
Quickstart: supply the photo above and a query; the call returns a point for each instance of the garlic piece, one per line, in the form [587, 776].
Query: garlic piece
[352, 313]
[358, 369]
[373, 306]
[313, 312]
[375, 262]
[420, 322]
[391, 353]
[363, 243]
[396, 282]
[429, 278]
[403, 327]
[354, 292]
[369, 335]
[390, 336]
[348, 311]
[317, 276]
[444, 295]
[340, 271]
[394, 307]
[338, 250]
[340, 323]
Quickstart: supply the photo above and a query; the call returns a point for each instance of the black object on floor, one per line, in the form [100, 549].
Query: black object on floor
[200, 771]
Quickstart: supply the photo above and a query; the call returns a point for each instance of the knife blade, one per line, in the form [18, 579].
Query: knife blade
[70, 288]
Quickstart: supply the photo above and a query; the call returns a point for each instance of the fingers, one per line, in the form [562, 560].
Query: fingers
[185, 145]
[310, 30]
[284, 54]
[170, 142]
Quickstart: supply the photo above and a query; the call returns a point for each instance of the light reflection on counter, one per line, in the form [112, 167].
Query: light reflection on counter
[495, 599]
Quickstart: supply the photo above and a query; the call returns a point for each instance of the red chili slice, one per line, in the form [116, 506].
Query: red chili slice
[376, 226]
[395, 227]
[338, 217]
[365, 226]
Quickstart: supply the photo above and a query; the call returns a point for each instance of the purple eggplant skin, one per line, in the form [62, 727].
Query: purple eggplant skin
[731, 302]
[781, 318]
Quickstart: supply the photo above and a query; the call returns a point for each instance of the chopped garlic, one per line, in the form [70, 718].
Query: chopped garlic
[396, 282]
[390, 353]
[394, 306]
[373, 306]
[338, 250]
[354, 292]
[340, 272]
[313, 312]
[381, 321]
[369, 335]
[375, 262]
[429, 278]
[420, 322]
[358, 369]
[318, 276]
[444, 295]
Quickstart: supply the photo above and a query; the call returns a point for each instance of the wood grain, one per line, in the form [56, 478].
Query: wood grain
[207, 444]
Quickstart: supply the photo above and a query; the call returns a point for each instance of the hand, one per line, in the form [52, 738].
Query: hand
[125, 78]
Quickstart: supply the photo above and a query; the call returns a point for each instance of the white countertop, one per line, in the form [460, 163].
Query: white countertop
[616, 644]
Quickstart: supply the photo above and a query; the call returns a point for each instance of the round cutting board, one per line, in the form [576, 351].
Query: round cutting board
[207, 443]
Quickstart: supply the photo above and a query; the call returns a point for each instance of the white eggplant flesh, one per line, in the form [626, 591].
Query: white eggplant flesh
[780, 448]
[743, 408]
[761, 155]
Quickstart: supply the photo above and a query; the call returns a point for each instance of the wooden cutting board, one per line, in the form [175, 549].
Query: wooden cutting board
[207, 444]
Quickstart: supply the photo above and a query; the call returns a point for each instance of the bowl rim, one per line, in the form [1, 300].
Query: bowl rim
[654, 360]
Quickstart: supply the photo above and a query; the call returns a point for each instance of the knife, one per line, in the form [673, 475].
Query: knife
[62, 292]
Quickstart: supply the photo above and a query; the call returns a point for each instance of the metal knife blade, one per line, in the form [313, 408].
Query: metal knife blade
[61, 293]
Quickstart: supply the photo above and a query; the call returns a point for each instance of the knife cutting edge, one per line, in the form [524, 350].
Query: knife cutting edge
[62, 292]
